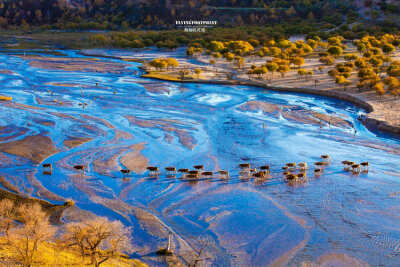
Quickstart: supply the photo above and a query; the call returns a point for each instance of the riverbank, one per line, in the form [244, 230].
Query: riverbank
[383, 112]
[371, 120]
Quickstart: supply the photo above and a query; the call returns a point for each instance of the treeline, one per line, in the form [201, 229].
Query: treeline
[161, 14]
[375, 63]
[172, 39]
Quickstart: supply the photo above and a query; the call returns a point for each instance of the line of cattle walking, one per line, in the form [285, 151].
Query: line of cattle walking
[292, 172]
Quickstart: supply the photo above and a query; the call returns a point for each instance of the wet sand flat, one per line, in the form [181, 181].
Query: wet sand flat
[134, 160]
[130, 123]
[36, 148]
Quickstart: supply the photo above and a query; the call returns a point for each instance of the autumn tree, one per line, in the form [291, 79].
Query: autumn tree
[272, 67]
[375, 61]
[328, 60]
[394, 69]
[260, 71]
[275, 51]
[161, 63]
[213, 62]
[198, 72]
[284, 44]
[388, 48]
[98, 239]
[229, 56]
[240, 48]
[216, 46]
[335, 51]
[190, 51]
[217, 55]
[335, 41]
[239, 61]
[392, 82]
[360, 63]
[158, 63]
[379, 88]
[313, 43]
[298, 61]
[172, 62]
[34, 229]
[342, 81]
[349, 57]
[7, 215]
[254, 42]
[183, 74]
[283, 69]
[302, 73]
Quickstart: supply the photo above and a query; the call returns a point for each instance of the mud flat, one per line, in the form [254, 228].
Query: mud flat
[156, 88]
[134, 160]
[107, 160]
[295, 113]
[75, 64]
[35, 147]
[168, 126]
[335, 259]
[265, 107]
[76, 141]
[10, 132]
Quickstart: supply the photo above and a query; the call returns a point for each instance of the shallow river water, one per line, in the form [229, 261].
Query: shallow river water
[98, 112]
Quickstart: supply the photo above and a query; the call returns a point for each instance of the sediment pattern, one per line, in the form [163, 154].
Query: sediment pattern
[98, 113]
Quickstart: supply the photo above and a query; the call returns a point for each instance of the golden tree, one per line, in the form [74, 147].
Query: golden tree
[335, 51]
[7, 213]
[24, 239]
[379, 88]
[98, 239]
[198, 72]
[342, 81]
[298, 61]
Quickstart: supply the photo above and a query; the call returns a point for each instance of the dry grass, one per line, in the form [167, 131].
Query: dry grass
[50, 254]
[162, 76]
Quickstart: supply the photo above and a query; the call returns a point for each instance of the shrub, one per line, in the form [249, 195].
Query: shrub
[335, 51]
[349, 57]
[5, 98]
[379, 88]
[327, 60]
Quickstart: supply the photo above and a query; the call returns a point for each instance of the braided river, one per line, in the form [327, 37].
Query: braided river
[70, 109]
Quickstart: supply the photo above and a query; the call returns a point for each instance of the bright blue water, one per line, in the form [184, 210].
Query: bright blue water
[250, 222]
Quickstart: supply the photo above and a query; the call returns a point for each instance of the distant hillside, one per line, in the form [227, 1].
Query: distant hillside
[161, 14]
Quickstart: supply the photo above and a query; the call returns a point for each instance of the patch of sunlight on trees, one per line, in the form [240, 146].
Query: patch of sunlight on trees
[27, 238]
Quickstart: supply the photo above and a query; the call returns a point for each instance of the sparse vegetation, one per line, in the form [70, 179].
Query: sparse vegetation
[5, 98]
[28, 238]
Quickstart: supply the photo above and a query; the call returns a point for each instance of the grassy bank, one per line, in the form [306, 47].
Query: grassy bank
[49, 254]
[162, 76]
